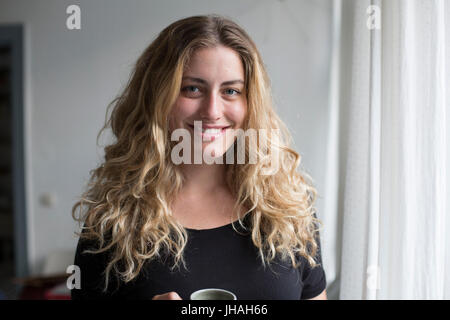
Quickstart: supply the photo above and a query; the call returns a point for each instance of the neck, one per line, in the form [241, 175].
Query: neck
[201, 178]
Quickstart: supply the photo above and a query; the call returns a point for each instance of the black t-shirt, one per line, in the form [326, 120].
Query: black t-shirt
[215, 258]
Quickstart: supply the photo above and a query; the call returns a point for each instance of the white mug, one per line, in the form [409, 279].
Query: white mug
[213, 294]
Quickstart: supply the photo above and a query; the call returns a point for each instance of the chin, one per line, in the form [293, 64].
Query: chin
[214, 153]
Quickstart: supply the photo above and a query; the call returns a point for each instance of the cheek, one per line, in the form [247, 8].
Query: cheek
[238, 112]
[182, 110]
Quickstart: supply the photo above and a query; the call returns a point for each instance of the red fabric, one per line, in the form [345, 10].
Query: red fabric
[43, 292]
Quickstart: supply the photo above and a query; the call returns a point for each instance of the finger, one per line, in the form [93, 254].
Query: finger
[167, 296]
[173, 296]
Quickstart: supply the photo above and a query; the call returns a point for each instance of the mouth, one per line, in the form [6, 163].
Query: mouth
[210, 132]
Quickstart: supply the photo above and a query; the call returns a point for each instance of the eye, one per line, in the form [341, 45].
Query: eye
[190, 89]
[232, 92]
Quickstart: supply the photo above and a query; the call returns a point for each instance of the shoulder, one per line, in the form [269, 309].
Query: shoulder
[92, 267]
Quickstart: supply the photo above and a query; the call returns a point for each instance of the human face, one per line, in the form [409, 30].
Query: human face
[212, 91]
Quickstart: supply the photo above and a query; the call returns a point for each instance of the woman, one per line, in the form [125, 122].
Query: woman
[156, 227]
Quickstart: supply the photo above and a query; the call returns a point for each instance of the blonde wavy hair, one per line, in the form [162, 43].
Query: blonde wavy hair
[126, 207]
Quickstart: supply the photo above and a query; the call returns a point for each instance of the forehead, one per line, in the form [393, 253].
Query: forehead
[221, 63]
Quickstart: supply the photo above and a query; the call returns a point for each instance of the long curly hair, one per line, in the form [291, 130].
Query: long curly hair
[126, 207]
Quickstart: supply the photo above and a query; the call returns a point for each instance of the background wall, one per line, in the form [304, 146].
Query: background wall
[72, 75]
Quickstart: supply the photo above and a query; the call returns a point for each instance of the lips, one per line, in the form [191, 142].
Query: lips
[204, 127]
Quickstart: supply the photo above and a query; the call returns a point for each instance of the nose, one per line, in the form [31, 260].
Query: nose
[212, 108]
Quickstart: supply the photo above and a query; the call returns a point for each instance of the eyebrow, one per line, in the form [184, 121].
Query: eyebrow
[202, 81]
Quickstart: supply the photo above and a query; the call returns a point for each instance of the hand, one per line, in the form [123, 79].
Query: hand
[167, 296]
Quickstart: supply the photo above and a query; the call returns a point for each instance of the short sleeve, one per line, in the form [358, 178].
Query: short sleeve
[314, 279]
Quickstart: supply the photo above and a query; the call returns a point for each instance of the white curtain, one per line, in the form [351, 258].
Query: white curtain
[387, 179]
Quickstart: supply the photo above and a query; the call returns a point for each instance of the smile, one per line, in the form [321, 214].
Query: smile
[210, 133]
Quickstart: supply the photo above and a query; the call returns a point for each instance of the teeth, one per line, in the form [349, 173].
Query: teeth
[211, 130]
